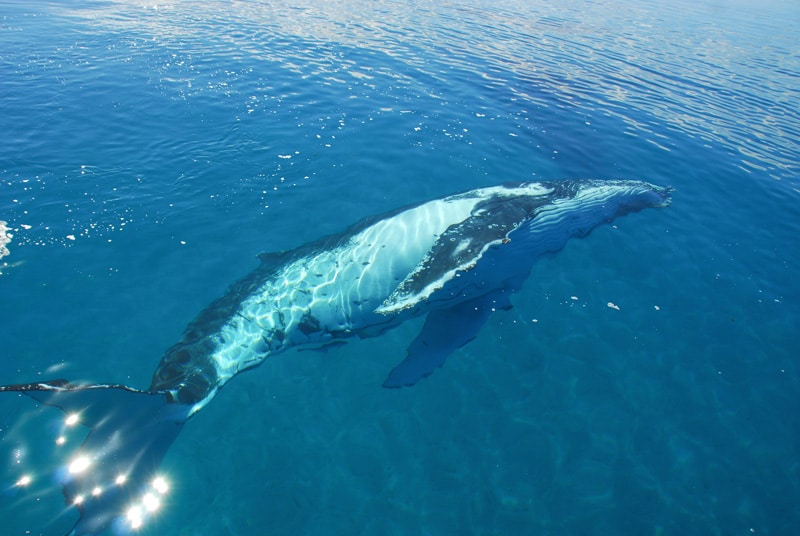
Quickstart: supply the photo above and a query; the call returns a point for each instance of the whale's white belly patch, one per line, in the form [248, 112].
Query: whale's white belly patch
[337, 289]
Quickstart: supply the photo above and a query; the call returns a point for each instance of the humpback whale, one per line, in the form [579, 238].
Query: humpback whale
[454, 259]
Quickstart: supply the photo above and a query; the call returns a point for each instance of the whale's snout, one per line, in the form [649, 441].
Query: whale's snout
[662, 196]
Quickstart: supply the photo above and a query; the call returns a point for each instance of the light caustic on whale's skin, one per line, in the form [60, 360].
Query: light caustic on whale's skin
[454, 259]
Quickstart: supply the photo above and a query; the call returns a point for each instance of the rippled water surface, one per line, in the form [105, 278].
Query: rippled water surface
[646, 380]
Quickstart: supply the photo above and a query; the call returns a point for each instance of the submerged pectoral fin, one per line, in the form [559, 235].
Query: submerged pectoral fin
[445, 331]
[109, 477]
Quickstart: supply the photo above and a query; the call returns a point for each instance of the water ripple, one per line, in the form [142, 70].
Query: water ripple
[689, 65]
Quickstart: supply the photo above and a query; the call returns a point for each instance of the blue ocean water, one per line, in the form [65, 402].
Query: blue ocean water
[646, 381]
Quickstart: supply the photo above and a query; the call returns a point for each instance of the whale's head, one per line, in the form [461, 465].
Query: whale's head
[614, 198]
[575, 207]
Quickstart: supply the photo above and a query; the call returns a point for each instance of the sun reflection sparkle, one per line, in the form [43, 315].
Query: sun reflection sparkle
[160, 485]
[72, 419]
[149, 503]
[79, 465]
[135, 517]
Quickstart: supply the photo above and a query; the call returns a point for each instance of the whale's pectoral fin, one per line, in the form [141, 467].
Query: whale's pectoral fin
[130, 431]
[445, 331]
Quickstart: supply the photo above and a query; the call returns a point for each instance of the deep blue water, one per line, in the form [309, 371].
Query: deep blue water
[149, 152]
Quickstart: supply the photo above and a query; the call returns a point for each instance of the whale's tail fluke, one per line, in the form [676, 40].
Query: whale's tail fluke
[112, 478]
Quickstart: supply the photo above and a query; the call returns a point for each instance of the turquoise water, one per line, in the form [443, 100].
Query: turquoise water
[149, 152]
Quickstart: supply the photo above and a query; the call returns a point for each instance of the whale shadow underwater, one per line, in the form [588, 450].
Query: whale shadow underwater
[454, 259]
